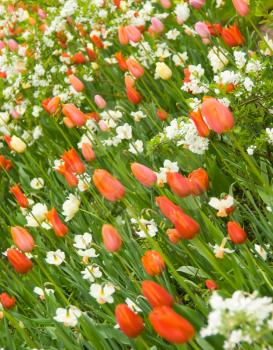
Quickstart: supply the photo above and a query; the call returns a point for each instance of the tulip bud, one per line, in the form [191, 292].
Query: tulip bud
[211, 285]
[19, 196]
[200, 124]
[7, 301]
[199, 181]
[143, 174]
[129, 322]
[202, 30]
[133, 33]
[51, 105]
[241, 7]
[179, 184]
[153, 263]
[218, 117]
[22, 238]
[232, 36]
[108, 185]
[170, 325]
[132, 94]
[163, 71]
[76, 116]
[122, 36]
[88, 152]
[236, 233]
[135, 68]
[162, 115]
[17, 145]
[111, 238]
[197, 4]
[19, 261]
[155, 294]
[157, 25]
[76, 83]
[78, 58]
[173, 235]
[73, 162]
[59, 228]
[166, 3]
[71, 178]
[13, 45]
[121, 61]
[100, 101]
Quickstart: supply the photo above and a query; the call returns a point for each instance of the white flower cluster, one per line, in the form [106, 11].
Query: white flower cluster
[243, 318]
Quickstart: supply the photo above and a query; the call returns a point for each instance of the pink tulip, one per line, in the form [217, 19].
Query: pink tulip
[166, 4]
[133, 33]
[241, 7]
[197, 4]
[88, 152]
[218, 117]
[41, 13]
[157, 25]
[100, 101]
[76, 83]
[111, 238]
[103, 126]
[135, 68]
[76, 116]
[143, 174]
[202, 30]
[13, 45]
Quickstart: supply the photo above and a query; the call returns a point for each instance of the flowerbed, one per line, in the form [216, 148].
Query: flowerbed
[136, 166]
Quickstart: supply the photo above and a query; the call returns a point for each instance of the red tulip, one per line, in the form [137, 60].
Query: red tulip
[51, 105]
[236, 233]
[5, 163]
[19, 196]
[108, 185]
[153, 262]
[200, 124]
[135, 68]
[59, 228]
[73, 162]
[232, 36]
[218, 117]
[173, 235]
[19, 261]
[78, 58]
[199, 181]
[7, 301]
[129, 322]
[76, 83]
[121, 61]
[210, 284]
[22, 238]
[143, 174]
[170, 325]
[70, 178]
[88, 152]
[97, 41]
[132, 94]
[76, 116]
[179, 184]
[162, 115]
[155, 294]
[241, 7]
[111, 238]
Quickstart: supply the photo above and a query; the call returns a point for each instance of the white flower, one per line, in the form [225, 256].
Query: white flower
[91, 272]
[124, 132]
[146, 227]
[162, 71]
[42, 292]
[55, 258]
[83, 241]
[103, 294]
[182, 12]
[218, 59]
[37, 215]
[69, 317]
[138, 115]
[240, 58]
[261, 251]
[179, 59]
[250, 150]
[269, 133]
[172, 34]
[37, 183]
[248, 84]
[222, 205]
[136, 147]
[132, 305]
[71, 207]
[220, 250]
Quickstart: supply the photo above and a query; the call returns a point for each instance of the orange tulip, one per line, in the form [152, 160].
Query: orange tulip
[22, 238]
[162, 115]
[59, 228]
[218, 117]
[155, 294]
[199, 181]
[88, 152]
[78, 58]
[76, 83]
[232, 36]
[51, 105]
[111, 238]
[5, 163]
[129, 322]
[236, 233]
[76, 116]
[121, 61]
[153, 263]
[170, 325]
[122, 36]
[7, 301]
[173, 235]
[73, 162]
[19, 196]
[143, 174]
[108, 185]
[200, 124]
[241, 7]
[135, 68]
[179, 184]
[97, 41]
[211, 285]
[70, 178]
[19, 261]
[132, 94]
